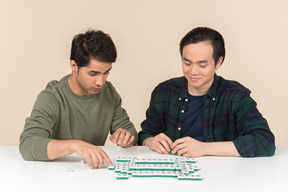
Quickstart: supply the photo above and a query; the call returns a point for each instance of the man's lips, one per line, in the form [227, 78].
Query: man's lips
[96, 89]
[194, 78]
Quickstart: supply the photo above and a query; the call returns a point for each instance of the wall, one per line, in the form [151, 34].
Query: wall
[36, 36]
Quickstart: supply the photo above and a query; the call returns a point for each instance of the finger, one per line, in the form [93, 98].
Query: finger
[106, 158]
[89, 160]
[114, 136]
[131, 140]
[179, 152]
[169, 141]
[100, 159]
[177, 142]
[165, 145]
[161, 148]
[126, 138]
[95, 160]
[186, 155]
[121, 137]
[177, 149]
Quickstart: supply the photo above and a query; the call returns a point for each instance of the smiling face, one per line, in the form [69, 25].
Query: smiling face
[88, 80]
[198, 67]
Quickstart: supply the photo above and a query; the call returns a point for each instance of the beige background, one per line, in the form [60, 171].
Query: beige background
[35, 39]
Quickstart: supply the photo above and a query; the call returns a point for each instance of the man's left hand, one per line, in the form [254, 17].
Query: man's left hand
[122, 138]
[188, 147]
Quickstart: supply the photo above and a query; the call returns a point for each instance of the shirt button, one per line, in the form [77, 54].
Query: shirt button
[179, 99]
[213, 98]
[182, 111]
[186, 100]
[179, 128]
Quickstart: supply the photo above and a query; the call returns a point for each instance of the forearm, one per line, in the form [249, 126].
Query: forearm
[60, 148]
[220, 149]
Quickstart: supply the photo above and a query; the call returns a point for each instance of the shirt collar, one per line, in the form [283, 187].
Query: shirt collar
[212, 93]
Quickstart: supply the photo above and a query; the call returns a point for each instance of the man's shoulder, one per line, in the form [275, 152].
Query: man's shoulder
[172, 83]
[54, 85]
[109, 85]
[54, 88]
[108, 88]
[231, 85]
[231, 89]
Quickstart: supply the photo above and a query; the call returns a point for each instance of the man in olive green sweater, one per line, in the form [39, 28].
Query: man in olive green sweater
[76, 114]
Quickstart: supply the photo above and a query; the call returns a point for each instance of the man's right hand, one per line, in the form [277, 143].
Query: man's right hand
[93, 154]
[160, 143]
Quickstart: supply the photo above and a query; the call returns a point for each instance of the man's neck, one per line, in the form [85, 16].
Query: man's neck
[73, 85]
[199, 91]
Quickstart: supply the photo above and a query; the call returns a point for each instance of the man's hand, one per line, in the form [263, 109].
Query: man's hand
[160, 143]
[122, 138]
[93, 154]
[188, 147]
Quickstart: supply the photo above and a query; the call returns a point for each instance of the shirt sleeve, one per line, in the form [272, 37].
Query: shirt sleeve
[255, 138]
[121, 119]
[38, 128]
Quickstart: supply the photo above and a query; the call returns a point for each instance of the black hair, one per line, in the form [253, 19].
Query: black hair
[93, 44]
[201, 34]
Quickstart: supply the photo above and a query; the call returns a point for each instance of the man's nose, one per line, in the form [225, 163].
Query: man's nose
[100, 80]
[193, 70]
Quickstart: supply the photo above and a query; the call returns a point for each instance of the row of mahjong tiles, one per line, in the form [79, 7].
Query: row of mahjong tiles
[182, 168]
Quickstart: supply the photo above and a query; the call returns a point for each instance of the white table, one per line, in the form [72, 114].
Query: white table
[219, 173]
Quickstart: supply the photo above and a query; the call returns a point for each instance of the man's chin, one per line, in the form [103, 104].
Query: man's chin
[94, 91]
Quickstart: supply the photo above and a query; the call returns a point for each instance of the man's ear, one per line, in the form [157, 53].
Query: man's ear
[219, 63]
[74, 66]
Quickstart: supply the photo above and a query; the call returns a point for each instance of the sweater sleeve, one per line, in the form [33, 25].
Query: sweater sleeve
[38, 128]
[121, 119]
[255, 138]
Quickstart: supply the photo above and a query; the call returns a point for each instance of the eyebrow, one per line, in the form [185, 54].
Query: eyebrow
[108, 70]
[199, 62]
[92, 71]
[185, 59]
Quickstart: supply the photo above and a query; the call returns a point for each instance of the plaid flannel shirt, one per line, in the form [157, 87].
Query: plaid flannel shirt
[229, 114]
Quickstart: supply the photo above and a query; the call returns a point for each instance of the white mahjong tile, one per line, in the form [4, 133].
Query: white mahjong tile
[122, 176]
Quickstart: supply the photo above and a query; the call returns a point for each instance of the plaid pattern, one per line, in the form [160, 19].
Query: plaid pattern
[229, 114]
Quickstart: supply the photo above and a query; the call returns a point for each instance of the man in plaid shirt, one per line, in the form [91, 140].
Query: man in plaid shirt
[202, 113]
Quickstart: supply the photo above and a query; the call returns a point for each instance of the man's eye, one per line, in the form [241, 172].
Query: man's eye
[188, 64]
[203, 66]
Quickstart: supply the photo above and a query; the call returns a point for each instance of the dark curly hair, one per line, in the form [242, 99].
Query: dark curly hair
[93, 44]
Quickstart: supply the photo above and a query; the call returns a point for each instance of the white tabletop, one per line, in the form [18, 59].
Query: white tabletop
[218, 173]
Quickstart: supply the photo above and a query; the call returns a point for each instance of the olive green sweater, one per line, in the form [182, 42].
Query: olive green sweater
[60, 114]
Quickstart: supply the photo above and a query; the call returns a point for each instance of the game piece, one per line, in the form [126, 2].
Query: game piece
[70, 169]
[182, 176]
[111, 167]
[122, 176]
